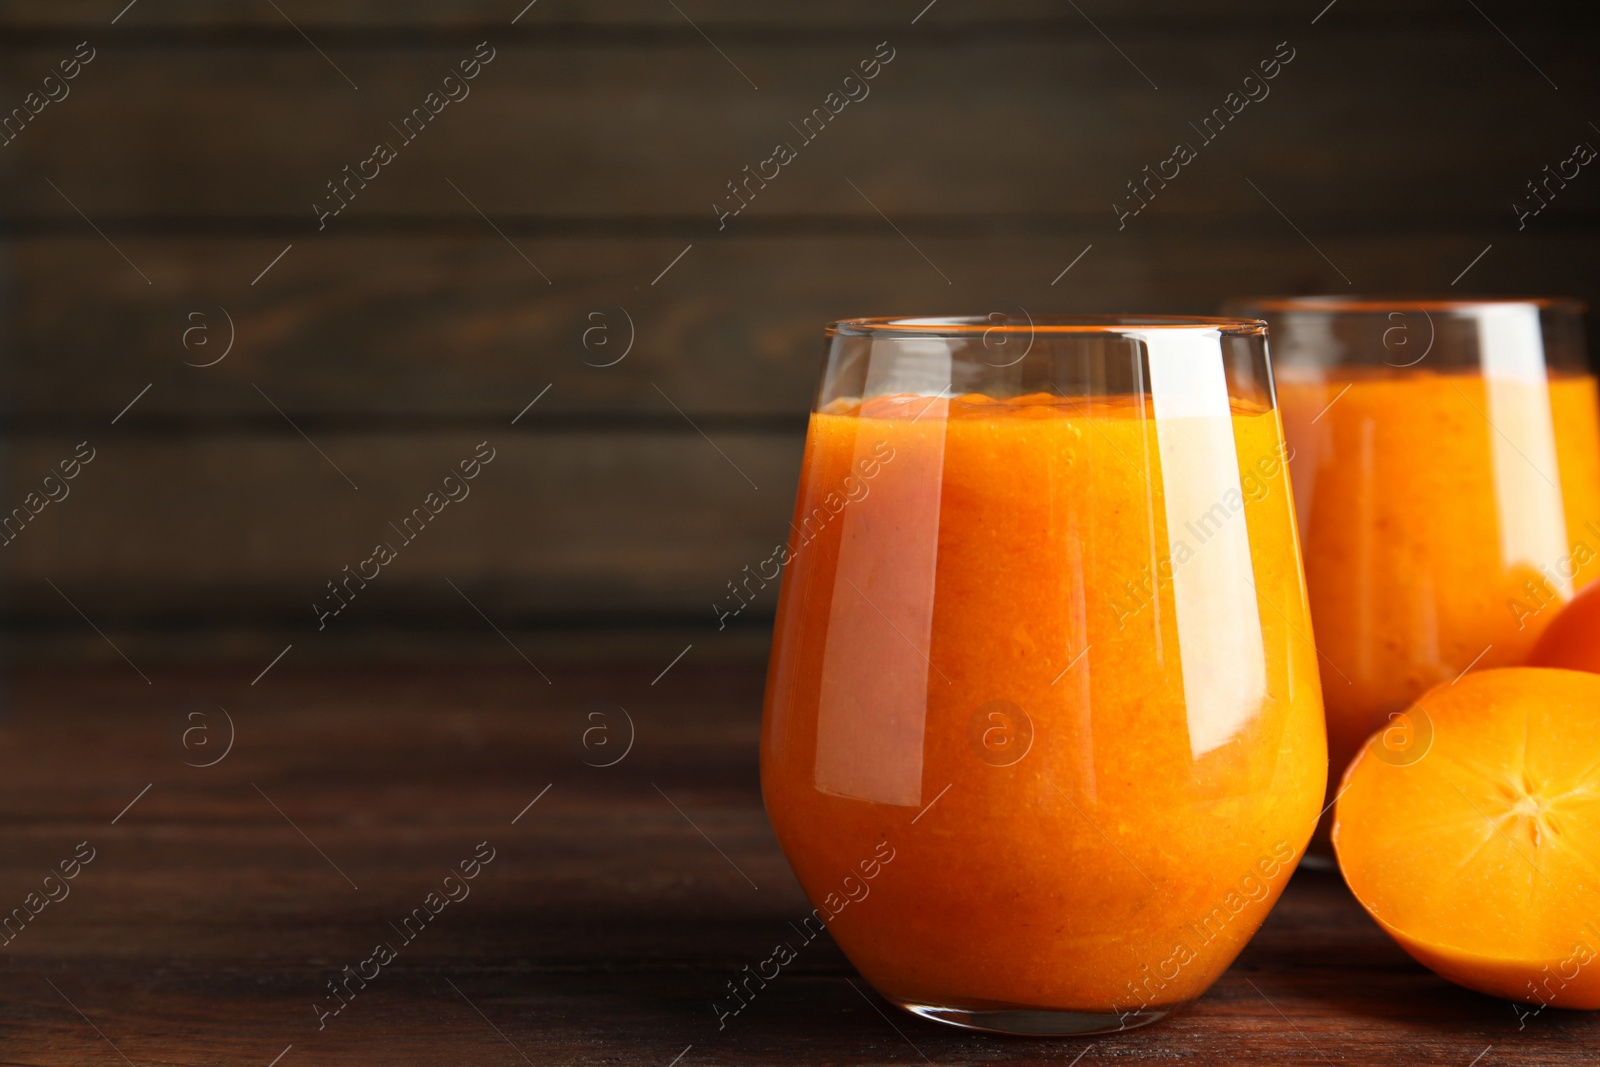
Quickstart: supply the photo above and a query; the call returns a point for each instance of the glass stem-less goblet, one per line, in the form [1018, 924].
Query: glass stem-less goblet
[1446, 462]
[1043, 735]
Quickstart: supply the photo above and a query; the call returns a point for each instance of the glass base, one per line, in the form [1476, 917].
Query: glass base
[1037, 1022]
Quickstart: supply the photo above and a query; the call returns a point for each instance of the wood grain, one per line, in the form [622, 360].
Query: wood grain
[401, 333]
[207, 925]
[558, 522]
[382, 15]
[618, 132]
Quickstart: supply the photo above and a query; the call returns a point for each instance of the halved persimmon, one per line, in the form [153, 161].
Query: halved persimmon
[1572, 640]
[1480, 853]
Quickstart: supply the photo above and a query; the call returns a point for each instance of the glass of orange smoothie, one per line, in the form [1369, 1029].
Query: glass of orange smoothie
[1446, 462]
[1043, 736]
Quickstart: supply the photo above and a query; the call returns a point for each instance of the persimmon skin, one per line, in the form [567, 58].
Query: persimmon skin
[1473, 855]
[1572, 640]
[1515, 980]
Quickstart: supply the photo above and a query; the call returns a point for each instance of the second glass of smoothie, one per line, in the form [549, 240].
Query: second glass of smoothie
[1446, 465]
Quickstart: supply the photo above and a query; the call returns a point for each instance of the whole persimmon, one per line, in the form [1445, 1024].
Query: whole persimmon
[1572, 640]
[1477, 847]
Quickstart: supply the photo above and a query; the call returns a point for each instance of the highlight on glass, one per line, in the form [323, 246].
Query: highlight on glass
[1446, 465]
[1043, 737]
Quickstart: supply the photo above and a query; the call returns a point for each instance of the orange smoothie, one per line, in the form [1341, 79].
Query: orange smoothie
[1052, 658]
[1445, 519]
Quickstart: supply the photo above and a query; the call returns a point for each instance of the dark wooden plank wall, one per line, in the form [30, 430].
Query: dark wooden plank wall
[596, 141]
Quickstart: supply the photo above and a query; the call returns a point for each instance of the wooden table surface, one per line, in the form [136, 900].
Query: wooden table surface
[219, 905]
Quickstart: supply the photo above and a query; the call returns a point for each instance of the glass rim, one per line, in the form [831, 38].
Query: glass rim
[1357, 304]
[955, 326]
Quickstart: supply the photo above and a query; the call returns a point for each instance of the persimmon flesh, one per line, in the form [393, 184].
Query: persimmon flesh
[1480, 851]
